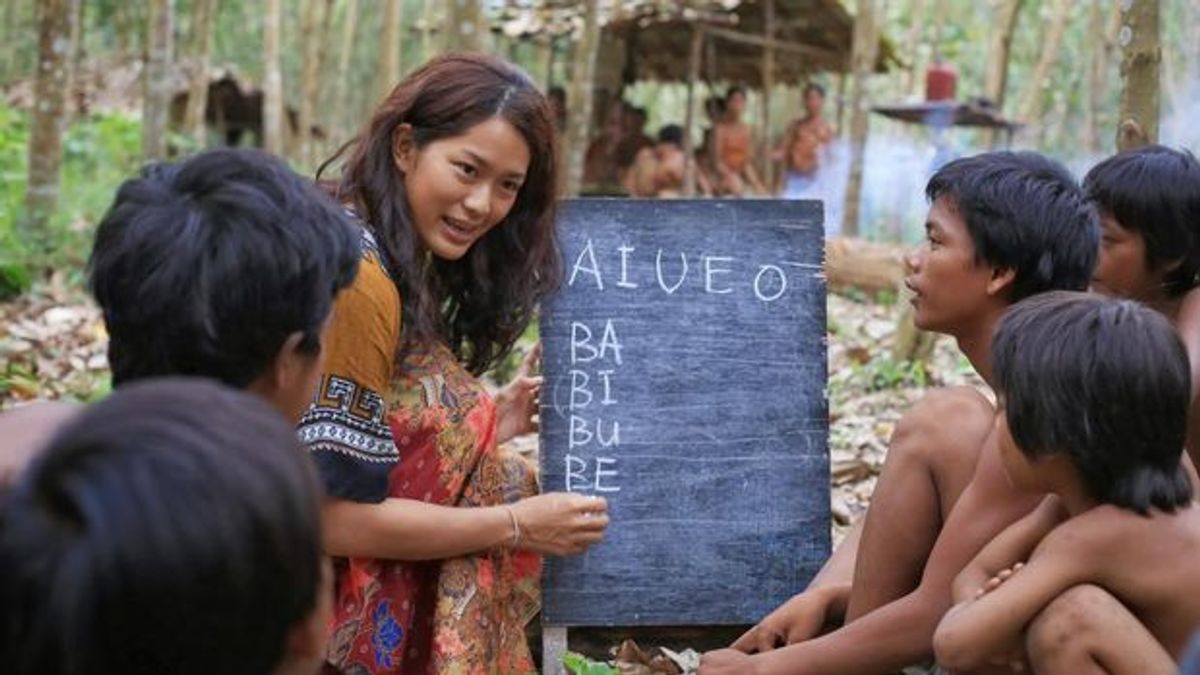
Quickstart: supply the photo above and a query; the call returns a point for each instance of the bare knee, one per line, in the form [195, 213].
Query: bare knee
[1066, 629]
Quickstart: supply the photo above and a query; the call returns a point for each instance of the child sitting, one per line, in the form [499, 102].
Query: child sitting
[1094, 397]
[171, 528]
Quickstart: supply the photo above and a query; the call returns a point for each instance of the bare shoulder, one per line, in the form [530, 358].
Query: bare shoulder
[949, 412]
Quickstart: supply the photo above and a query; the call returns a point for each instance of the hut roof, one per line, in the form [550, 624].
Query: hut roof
[811, 36]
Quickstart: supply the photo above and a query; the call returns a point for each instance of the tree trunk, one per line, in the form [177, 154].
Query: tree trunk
[204, 13]
[995, 77]
[1140, 90]
[912, 44]
[1097, 71]
[341, 84]
[428, 21]
[45, 138]
[579, 96]
[272, 80]
[76, 87]
[312, 22]
[1033, 97]
[8, 36]
[160, 33]
[389, 49]
[863, 53]
[466, 26]
[767, 165]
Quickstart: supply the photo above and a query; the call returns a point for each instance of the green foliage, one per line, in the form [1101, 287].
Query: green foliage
[99, 153]
[883, 372]
[578, 664]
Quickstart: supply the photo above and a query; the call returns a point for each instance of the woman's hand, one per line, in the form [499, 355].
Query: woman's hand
[517, 402]
[560, 523]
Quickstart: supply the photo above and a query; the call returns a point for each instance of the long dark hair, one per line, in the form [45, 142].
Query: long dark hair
[479, 304]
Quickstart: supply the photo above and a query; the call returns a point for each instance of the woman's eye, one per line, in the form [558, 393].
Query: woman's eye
[466, 169]
[511, 186]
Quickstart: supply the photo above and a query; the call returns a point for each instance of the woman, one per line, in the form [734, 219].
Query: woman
[453, 179]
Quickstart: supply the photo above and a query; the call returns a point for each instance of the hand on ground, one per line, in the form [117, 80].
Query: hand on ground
[726, 662]
[796, 620]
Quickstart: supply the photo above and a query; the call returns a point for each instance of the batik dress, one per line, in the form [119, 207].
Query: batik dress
[425, 429]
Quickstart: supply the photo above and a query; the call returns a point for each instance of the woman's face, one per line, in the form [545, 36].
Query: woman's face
[461, 186]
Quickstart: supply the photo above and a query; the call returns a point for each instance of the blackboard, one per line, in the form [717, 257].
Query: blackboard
[685, 372]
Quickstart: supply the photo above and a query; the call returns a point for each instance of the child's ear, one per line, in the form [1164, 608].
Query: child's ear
[289, 363]
[1002, 279]
[403, 149]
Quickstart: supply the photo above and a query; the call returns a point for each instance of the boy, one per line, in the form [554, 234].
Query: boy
[1094, 396]
[1149, 206]
[171, 528]
[1002, 226]
[226, 266]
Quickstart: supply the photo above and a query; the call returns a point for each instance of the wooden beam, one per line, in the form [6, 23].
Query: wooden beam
[689, 159]
[768, 83]
[778, 45]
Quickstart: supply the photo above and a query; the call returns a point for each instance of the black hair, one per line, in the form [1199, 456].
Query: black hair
[1107, 383]
[671, 133]
[1024, 211]
[205, 267]
[813, 86]
[735, 89]
[1155, 191]
[171, 528]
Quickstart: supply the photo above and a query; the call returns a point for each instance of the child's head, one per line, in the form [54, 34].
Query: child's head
[171, 528]
[459, 162]
[1002, 226]
[224, 265]
[1149, 205]
[1104, 383]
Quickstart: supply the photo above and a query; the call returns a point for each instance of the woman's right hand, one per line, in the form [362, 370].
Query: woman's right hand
[560, 523]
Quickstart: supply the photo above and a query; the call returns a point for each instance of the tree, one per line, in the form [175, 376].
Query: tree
[862, 57]
[1140, 88]
[45, 138]
[1033, 96]
[579, 96]
[466, 26]
[350, 22]
[203, 18]
[156, 84]
[312, 22]
[913, 74]
[389, 49]
[1097, 75]
[995, 79]
[272, 81]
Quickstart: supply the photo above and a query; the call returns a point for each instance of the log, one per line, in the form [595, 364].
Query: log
[868, 266]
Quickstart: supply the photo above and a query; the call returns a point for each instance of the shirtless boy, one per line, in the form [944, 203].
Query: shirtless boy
[735, 149]
[1001, 227]
[1120, 513]
[805, 145]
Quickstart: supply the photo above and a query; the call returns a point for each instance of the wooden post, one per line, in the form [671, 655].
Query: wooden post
[689, 119]
[554, 645]
[579, 97]
[866, 43]
[272, 80]
[768, 83]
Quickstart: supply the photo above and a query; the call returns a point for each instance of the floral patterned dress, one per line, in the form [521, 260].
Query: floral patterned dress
[421, 429]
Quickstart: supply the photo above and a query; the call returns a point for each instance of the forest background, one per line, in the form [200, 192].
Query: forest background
[111, 67]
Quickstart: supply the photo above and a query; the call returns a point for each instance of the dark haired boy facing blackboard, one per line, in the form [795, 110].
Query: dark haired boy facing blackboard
[1001, 227]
